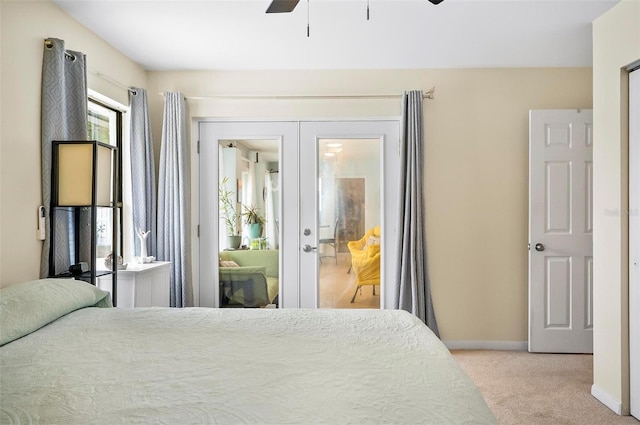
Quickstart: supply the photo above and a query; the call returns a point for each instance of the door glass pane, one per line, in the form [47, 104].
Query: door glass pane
[249, 223]
[349, 220]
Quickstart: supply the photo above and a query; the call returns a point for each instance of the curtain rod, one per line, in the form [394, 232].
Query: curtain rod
[111, 80]
[429, 94]
[49, 44]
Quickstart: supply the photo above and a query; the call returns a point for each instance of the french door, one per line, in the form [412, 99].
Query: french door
[281, 169]
[255, 164]
[349, 172]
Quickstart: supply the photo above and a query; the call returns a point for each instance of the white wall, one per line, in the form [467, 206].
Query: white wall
[616, 44]
[24, 26]
[476, 166]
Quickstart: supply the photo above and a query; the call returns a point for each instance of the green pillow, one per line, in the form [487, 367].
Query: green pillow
[26, 307]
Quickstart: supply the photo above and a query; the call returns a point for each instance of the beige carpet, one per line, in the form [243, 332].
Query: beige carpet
[538, 389]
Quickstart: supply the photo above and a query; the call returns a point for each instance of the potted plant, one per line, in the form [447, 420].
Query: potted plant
[229, 214]
[254, 220]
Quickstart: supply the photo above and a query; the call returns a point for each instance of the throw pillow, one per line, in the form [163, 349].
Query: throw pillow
[228, 263]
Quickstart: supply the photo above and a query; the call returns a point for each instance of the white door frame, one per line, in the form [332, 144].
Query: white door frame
[634, 242]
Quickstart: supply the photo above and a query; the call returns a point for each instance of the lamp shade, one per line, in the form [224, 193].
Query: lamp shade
[83, 172]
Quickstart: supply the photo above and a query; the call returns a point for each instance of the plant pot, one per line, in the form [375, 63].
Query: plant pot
[255, 230]
[234, 241]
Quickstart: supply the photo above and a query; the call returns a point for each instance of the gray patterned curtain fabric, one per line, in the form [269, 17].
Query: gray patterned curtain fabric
[64, 117]
[412, 286]
[174, 237]
[143, 178]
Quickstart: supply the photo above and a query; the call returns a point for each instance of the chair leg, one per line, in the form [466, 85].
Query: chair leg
[354, 294]
[374, 289]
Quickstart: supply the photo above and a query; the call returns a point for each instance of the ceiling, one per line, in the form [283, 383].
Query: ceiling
[239, 35]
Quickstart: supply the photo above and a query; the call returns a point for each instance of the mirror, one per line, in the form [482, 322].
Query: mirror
[249, 194]
[249, 224]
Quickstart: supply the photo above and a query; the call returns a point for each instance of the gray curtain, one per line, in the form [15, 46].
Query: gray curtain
[143, 177]
[412, 285]
[64, 117]
[174, 237]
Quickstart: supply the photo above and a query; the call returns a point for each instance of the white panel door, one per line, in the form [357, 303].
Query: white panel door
[386, 135]
[560, 231]
[634, 241]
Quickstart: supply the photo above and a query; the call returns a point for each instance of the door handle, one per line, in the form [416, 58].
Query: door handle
[309, 248]
[539, 247]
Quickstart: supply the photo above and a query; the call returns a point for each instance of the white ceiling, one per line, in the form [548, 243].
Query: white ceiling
[238, 34]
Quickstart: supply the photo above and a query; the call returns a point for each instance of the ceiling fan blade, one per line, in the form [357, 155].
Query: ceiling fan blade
[436, 1]
[283, 6]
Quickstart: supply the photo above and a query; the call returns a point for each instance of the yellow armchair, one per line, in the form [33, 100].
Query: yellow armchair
[365, 259]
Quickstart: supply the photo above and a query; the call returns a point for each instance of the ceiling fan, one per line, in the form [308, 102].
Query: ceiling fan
[286, 6]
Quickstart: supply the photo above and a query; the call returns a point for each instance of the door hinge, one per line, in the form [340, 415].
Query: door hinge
[198, 230]
[198, 149]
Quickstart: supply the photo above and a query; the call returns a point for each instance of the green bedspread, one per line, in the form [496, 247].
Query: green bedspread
[234, 366]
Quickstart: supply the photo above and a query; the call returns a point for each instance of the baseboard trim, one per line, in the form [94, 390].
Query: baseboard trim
[605, 398]
[487, 345]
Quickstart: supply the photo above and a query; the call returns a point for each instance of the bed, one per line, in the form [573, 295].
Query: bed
[67, 358]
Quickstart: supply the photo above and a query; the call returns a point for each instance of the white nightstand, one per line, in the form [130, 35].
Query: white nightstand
[141, 285]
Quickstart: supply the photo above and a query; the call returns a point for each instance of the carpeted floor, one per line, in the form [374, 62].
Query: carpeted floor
[538, 389]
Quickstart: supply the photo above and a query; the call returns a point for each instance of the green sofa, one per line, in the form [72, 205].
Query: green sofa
[251, 264]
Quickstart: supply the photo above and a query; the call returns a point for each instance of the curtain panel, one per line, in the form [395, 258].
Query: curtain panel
[412, 287]
[143, 177]
[174, 227]
[63, 117]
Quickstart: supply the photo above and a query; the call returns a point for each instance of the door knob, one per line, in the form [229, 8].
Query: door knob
[539, 247]
[309, 248]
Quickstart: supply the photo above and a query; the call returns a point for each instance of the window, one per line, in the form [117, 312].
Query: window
[105, 125]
